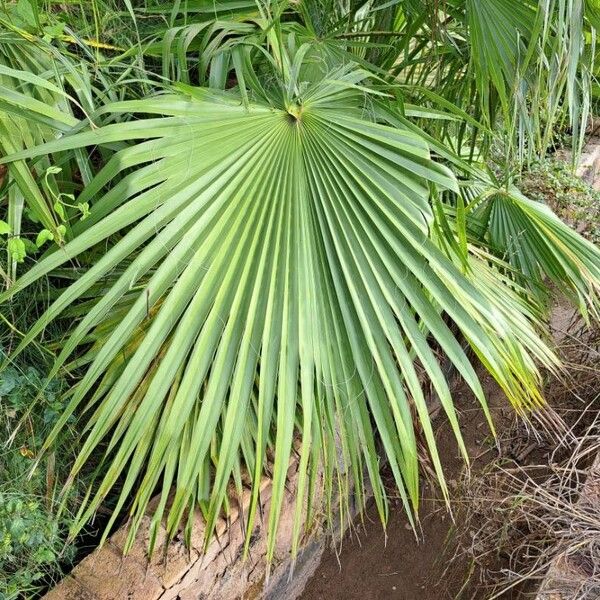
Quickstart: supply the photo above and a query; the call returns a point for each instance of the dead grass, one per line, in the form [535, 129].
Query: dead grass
[530, 510]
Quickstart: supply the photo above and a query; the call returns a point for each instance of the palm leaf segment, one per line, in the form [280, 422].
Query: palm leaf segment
[274, 275]
[535, 242]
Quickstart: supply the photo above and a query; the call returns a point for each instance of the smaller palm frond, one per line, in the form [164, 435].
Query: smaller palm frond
[535, 243]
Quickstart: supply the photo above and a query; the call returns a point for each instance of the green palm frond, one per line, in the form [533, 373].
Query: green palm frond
[527, 63]
[536, 243]
[273, 275]
[33, 109]
[536, 58]
[30, 115]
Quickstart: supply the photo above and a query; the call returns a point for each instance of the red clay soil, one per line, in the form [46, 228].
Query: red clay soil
[369, 567]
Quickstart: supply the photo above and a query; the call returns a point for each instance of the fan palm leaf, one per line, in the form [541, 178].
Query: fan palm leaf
[538, 245]
[274, 274]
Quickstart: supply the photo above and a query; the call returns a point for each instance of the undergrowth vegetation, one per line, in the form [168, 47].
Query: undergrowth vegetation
[552, 181]
[32, 536]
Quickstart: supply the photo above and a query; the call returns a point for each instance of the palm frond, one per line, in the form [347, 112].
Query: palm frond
[278, 279]
[536, 243]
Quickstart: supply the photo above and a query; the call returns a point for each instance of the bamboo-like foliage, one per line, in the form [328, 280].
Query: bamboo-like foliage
[289, 254]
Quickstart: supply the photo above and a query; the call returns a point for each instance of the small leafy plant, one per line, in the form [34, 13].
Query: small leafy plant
[32, 535]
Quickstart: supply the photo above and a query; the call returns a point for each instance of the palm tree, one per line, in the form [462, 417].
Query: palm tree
[286, 249]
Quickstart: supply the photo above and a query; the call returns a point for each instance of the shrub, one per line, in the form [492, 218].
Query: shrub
[575, 201]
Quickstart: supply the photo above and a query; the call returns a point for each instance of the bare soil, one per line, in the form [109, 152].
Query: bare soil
[372, 565]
